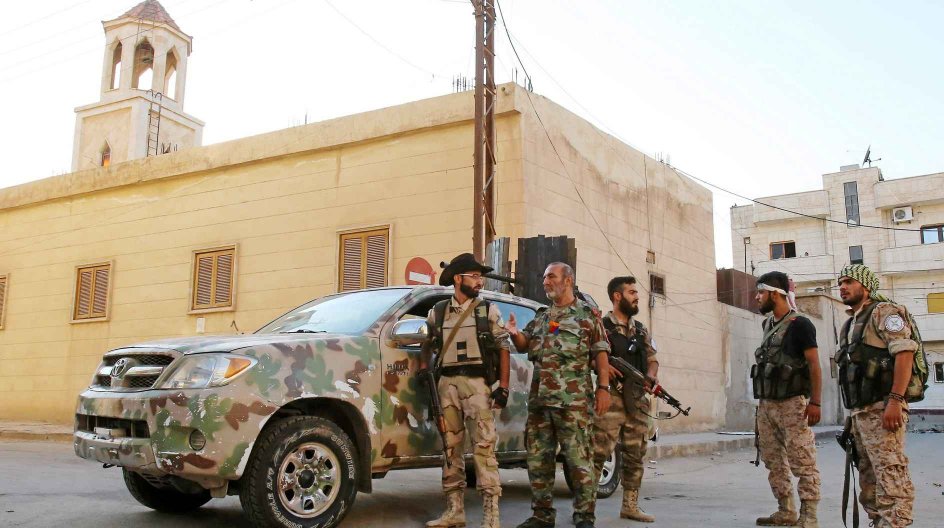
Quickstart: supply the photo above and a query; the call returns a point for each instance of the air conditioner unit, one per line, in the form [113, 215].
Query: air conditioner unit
[902, 214]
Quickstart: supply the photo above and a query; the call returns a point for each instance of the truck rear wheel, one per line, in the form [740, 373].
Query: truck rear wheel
[302, 472]
[165, 499]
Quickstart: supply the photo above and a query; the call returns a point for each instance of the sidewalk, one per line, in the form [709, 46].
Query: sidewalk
[667, 445]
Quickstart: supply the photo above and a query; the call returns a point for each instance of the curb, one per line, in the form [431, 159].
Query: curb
[657, 451]
[36, 436]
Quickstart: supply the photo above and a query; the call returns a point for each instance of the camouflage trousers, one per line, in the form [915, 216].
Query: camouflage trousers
[787, 445]
[630, 427]
[571, 428]
[465, 401]
[887, 491]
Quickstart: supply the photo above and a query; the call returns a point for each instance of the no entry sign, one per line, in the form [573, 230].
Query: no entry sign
[419, 271]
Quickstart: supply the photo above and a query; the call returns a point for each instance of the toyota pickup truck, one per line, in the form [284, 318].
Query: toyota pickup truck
[295, 418]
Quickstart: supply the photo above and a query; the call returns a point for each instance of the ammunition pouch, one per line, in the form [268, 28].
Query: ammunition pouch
[491, 357]
[774, 381]
[866, 374]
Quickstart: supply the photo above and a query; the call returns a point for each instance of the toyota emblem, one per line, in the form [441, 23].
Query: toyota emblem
[121, 368]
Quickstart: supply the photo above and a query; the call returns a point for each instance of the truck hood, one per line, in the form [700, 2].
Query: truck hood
[204, 344]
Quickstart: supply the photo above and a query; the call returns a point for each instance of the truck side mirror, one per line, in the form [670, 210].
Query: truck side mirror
[410, 332]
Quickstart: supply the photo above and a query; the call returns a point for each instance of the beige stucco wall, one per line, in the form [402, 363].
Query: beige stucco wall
[93, 131]
[641, 205]
[282, 198]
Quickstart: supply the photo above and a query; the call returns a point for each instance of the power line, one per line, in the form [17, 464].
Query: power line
[50, 15]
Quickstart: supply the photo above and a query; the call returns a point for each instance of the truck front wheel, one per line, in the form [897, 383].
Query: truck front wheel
[302, 472]
[165, 499]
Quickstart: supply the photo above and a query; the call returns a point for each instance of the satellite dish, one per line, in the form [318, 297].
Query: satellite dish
[868, 151]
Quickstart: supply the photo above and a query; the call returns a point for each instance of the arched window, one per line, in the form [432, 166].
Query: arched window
[143, 66]
[116, 67]
[170, 76]
[106, 155]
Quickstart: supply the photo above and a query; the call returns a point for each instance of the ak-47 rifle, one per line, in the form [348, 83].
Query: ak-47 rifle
[846, 440]
[632, 375]
[436, 410]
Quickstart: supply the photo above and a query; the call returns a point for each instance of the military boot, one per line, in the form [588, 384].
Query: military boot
[808, 514]
[454, 516]
[490, 511]
[786, 514]
[534, 522]
[630, 509]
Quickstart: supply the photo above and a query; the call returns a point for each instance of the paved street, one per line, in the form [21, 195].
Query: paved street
[44, 484]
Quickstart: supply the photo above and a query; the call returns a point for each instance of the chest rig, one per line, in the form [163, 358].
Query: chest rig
[776, 374]
[472, 351]
[866, 372]
[632, 349]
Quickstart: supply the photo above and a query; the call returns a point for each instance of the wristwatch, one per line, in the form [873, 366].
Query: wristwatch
[604, 387]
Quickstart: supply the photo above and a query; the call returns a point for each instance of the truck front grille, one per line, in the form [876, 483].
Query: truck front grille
[138, 370]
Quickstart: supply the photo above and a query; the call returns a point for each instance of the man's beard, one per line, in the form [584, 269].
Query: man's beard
[628, 308]
[853, 300]
[554, 293]
[468, 291]
[767, 306]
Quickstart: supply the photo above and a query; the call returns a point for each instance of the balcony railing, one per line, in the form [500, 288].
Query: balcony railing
[921, 257]
[800, 269]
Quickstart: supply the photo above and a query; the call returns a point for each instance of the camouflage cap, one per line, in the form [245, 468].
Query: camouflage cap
[861, 273]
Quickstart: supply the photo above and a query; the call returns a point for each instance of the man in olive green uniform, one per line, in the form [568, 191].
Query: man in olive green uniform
[877, 377]
[627, 421]
[464, 390]
[788, 383]
[562, 341]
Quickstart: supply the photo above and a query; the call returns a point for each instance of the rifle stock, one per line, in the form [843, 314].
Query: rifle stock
[632, 375]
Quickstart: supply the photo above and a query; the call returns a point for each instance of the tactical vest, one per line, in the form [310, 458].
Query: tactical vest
[866, 372]
[633, 349]
[777, 375]
[473, 351]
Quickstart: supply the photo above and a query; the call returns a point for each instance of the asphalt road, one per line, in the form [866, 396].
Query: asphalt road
[45, 484]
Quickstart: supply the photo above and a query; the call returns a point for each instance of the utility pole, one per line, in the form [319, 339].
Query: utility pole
[483, 188]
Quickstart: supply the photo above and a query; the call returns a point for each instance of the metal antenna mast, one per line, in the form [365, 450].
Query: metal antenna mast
[483, 224]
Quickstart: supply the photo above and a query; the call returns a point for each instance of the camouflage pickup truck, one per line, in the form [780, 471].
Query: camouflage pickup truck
[295, 418]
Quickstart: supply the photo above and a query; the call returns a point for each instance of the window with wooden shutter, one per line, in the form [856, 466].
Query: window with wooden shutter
[91, 292]
[213, 275]
[3, 298]
[364, 258]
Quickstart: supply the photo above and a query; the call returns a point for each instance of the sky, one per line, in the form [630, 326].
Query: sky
[759, 98]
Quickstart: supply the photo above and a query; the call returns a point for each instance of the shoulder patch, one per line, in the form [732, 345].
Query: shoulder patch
[894, 323]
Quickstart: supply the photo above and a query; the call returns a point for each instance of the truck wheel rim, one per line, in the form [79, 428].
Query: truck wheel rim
[608, 468]
[309, 479]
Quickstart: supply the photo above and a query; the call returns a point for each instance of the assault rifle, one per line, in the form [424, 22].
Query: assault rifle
[436, 410]
[846, 441]
[632, 375]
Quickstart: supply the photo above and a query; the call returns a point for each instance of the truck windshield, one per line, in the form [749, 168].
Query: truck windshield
[349, 313]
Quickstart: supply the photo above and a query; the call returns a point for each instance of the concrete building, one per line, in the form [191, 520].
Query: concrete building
[223, 238]
[895, 227]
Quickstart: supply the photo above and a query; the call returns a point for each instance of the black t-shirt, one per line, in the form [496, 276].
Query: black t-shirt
[801, 336]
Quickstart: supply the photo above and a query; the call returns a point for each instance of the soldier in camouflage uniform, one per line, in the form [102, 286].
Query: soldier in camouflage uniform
[464, 393]
[883, 330]
[627, 422]
[788, 382]
[563, 341]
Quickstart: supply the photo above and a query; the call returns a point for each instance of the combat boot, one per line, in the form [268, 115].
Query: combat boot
[534, 522]
[630, 509]
[454, 516]
[786, 514]
[808, 514]
[490, 511]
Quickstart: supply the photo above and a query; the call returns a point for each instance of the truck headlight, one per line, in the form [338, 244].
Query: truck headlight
[206, 370]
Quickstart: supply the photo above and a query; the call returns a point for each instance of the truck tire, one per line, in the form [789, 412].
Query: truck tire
[164, 499]
[302, 472]
[609, 480]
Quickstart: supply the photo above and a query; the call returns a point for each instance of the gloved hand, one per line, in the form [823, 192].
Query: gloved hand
[499, 397]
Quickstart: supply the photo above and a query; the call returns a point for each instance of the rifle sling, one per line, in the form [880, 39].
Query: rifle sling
[455, 329]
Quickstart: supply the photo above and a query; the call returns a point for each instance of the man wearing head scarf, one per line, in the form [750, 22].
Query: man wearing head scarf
[876, 359]
[788, 382]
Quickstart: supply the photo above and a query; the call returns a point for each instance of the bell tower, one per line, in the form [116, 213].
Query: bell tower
[140, 112]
